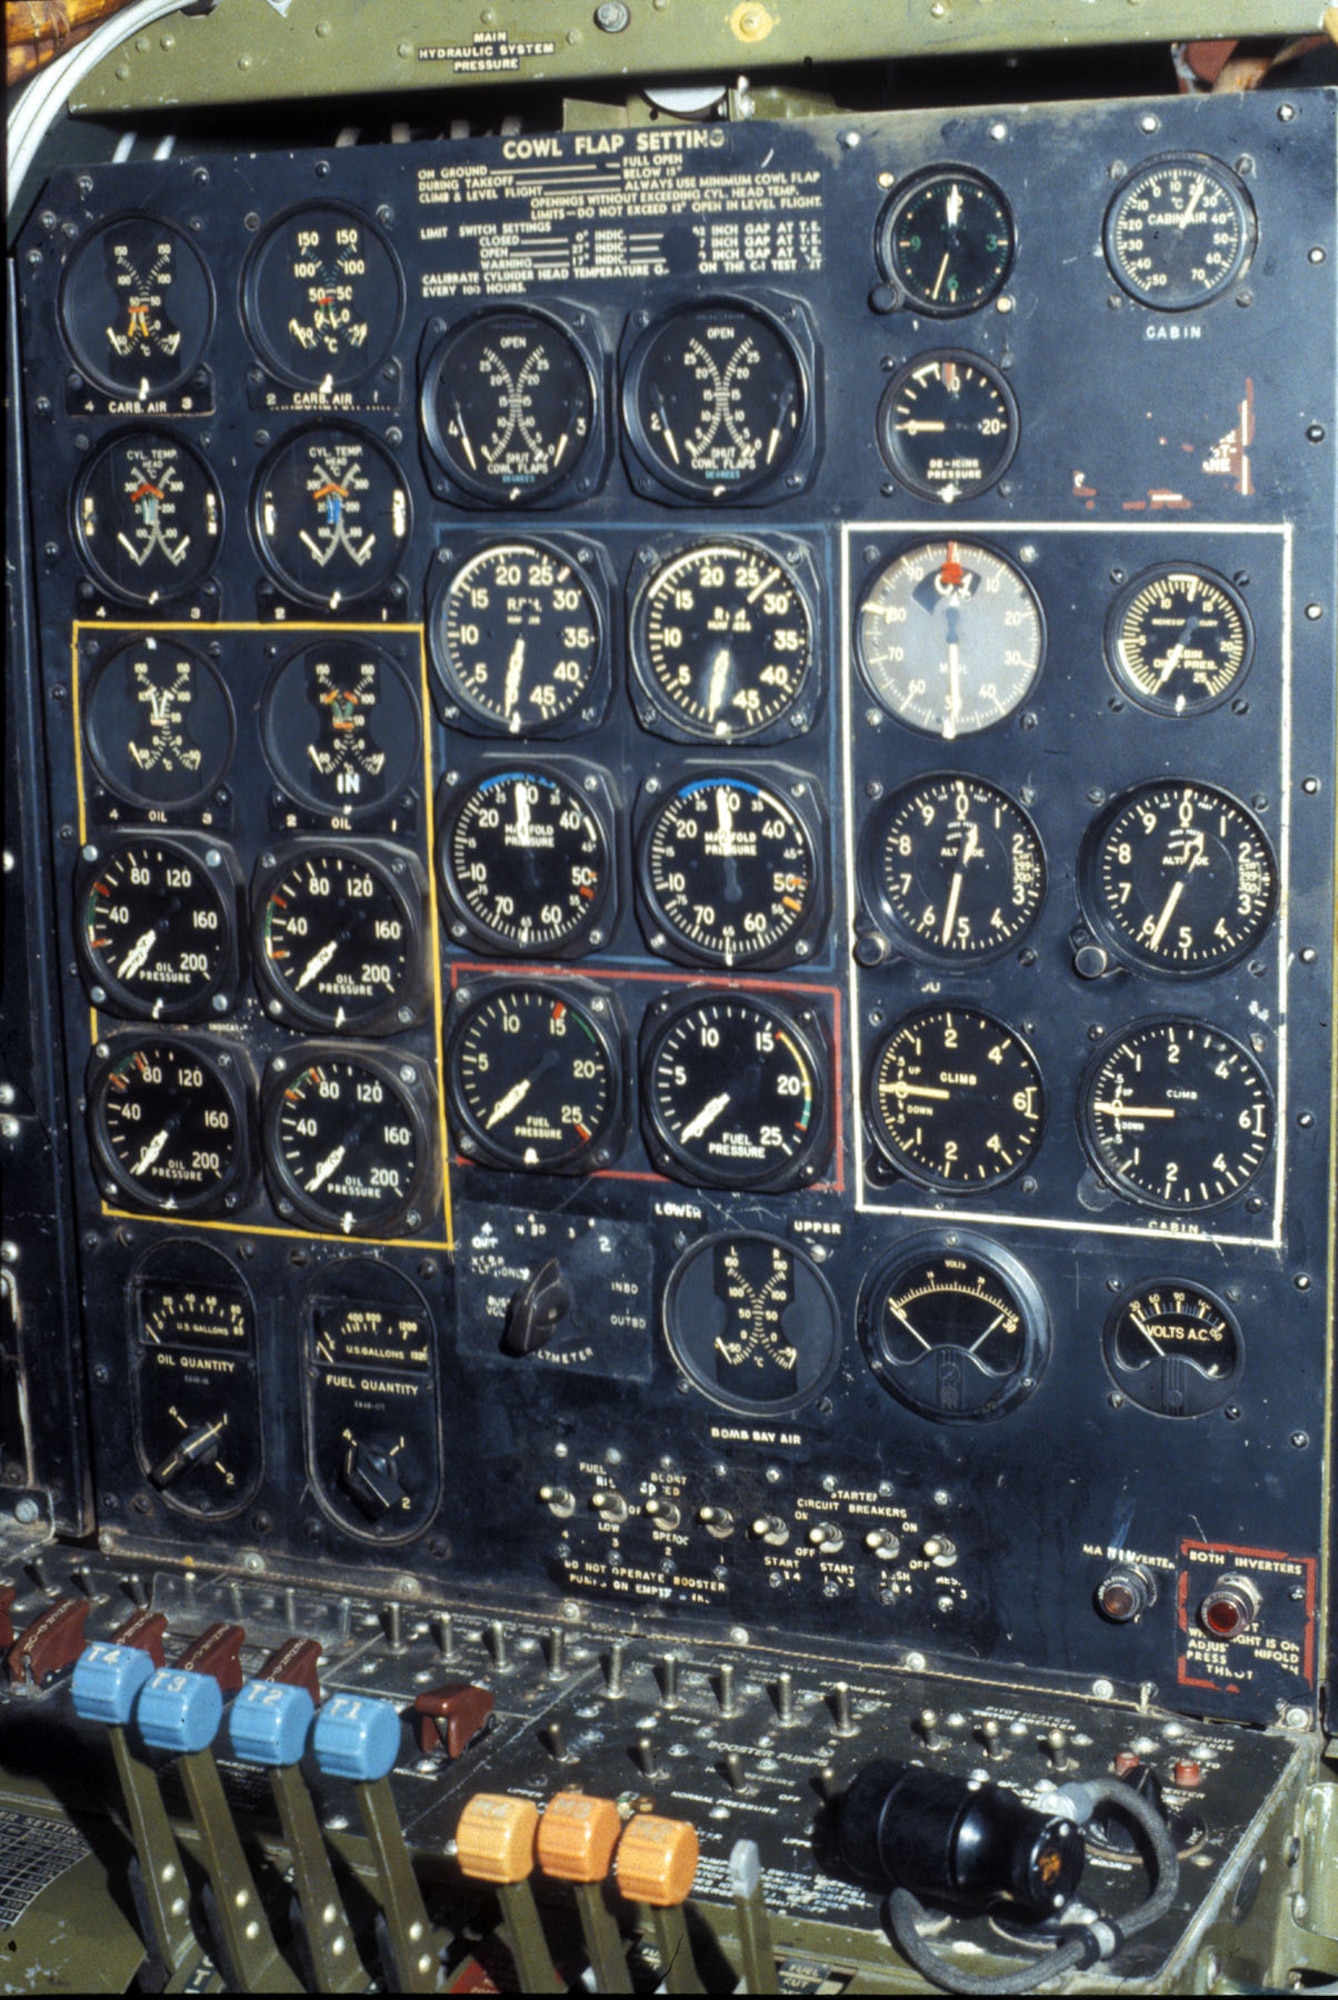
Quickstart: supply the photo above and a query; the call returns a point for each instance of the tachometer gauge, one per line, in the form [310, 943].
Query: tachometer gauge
[1177, 1115]
[509, 406]
[158, 724]
[516, 635]
[723, 644]
[168, 1123]
[136, 307]
[955, 1328]
[735, 1091]
[953, 869]
[158, 929]
[340, 728]
[322, 297]
[1178, 877]
[1173, 1348]
[956, 1100]
[1179, 232]
[527, 862]
[1179, 639]
[347, 1143]
[148, 517]
[715, 400]
[948, 425]
[338, 937]
[534, 1078]
[332, 516]
[947, 241]
[728, 872]
[751, 1323]
[949, 637]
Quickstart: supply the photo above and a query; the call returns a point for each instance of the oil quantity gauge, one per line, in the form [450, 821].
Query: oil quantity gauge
[948, 425]
[1173, 1348]
[953, 869]
[332, 516]
[947, 241]
[715, 400]
[509, 407]
[729, 875]
[1179, 232]
[323, 297]
[527, 863]
[956, 1100]
[197, 1414]
[338, 938]
[517, 638]
[956, 1329]
[136, 307]
[158, 930]
[158, 724]
[752, 1323]
[1179, 640]
[534, 1078]
[340, 727]
[347, 1144]
[148, 517]
[168, 1124]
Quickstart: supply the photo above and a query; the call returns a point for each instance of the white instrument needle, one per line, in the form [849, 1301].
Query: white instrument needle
[316, 966]
[515, 666]
[329, 1165]
[719, 677]
[705, 1118]
[897, 1313]
[506, 1105]
[1167, 909]
[137, 956]
[522, 809]
[903, 1089]
[954, 690]
[915, 425]
[150, 1154]
[1123, 1110]
[950, 917]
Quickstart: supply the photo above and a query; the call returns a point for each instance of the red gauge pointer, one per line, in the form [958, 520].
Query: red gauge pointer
[143, 488]
[952, 572]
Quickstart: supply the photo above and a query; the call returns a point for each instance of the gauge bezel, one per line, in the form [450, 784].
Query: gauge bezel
[407, 736]
[803, 1024]
[99, 377]
[92, 736]
[593, 790]
[885, 246]
[1125, 1380]
[1119, 610]
[385, 579]
[396, 870]
[750, 1406]
[198, 580]
[904, 1164]
[1234, 189]
[894, 457]
[413, 1101]
[905, 941]
[226, 1194]
[1013, 1277]
[253, 272]
[221, 877]
[605, 1141]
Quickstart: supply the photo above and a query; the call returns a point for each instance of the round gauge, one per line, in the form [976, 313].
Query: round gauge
[956, 1329]
[509, 406]
[168, 1124]
[346, 1141]
[149, 517]
[158, 724]
[751, 1323]
[332, 516]
[723, 642]
[534, 1078]
[197, 1420]
[156, 933]
[715, 400]
[1177, 1115]
[136, 307]
[1179, 232]
[323, 297]
[730, 871]
[948, 425]
[735, 1092]
[1173, 1348]
[1179, 640]
[338, 940]
[339, 723]
[516, 638]
[527, 862]
[956, 1100]
[954, 869]
[950, 638]
[947, 241]
[1178, 877]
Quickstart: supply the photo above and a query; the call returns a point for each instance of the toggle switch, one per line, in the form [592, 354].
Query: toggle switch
[53, 1642]
[217, 1653]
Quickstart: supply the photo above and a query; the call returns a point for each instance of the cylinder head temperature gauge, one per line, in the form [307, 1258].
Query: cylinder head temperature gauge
[332, 516]
[148, 517]
[956, 1329]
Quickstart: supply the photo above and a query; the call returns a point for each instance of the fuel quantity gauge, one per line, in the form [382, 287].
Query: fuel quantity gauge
[955, 1328]
[752, 1323]
[332, 516]
[148, 517]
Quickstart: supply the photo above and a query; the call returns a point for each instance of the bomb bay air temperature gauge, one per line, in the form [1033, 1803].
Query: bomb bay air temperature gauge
[751, 1323]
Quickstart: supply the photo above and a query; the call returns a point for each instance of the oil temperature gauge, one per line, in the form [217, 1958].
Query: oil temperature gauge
[197, 1408]
[158, 934]
[322, 297]
[158, 724]
[534, 1077]
[340, 728]
[516, 633]
[953, 869]
[728, 873]
[338, 937]
[1173, 1348]
[136, 307]
[148, 515]
[948, 425]
[168, 1122]
[1179, 640]
[332, 516]
[509, 407]
[527, 861]
[947, 241]
[347, 1139]
[956, 1329]
[956, 1100]
[751, 1323]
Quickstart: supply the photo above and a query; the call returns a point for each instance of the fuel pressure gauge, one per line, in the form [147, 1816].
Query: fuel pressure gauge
[947, 242]
[332, 516]
[534, 1076]
[509, 407]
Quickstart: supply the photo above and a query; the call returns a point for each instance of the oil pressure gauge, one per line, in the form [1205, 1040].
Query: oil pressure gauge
[729, 873]
[534, 1077]
[158, 931]
[322, 297]
[167, 1116]
[947, 241]
[148, 517]
[1179, 639]
[953, 869]
[348, 1140]
[1179, 232]
[332, 516]
[338, 936]
[517, 637]
[510, 408]
[955, 1328]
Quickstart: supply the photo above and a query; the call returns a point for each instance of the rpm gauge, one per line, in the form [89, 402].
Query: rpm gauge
[1179, 640]
[346, 1140]
[953, 869]
[947, 241]
[322, 297]
[948, 425]
[1179, 232]
[332, 516]
[715, 400]
[729, 874]
[956, 1329]
[956, 1100]
[338, 937]
[751, 1323]
[167, 1118]
[509, 407]
[534, 1077]
[136, 307]
[148, 517]
[158, 930]
[517, 640]
[527, 862]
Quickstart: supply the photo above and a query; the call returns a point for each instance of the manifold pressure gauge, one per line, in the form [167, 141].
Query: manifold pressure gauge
[527, 861]
[1173, 1348]
[1178, 877]
[735, 1091]
[322, 297]
[332, 516]
[167, 1116]
[947, 241]
[751, 1323]
[136, 307]
[158, 935]
[338, 937]
[956, 1100]
[148, 517]
[956, 1329]
[949, 637]
[509, 407]
[534, 1077]
[952, 869]
[728, 872]
[347, 1139]
[516, 633]
[948, 425]
[1179, 639]
[1179, 232]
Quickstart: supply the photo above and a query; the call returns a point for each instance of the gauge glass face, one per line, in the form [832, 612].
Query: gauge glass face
[533, 1078]
[948, 242]
[1173, 1349]
[715, 400]
[1179, 878]
[948, 426]
[955, 870]
[510, 407]
[195, 1388]
[957, 1335]
[527, 860]
[137, 307]
[157, 929]
[950, 638]
[340, 728]
[1179, 232]
[1177, 1115]
[370, 1336]
[723, 641]
[167, 1125]
[516, 638]
[730, 869]
[332, 517]
[337, 941]
[346, 1144]
[323, 298]
[149, 517]
[158, 724]
[957, 1100]
[1179, 640]
[735, 1094]
[751, 1323]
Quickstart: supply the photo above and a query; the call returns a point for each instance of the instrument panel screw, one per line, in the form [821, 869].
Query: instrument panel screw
[611, 17]
[1286, 113]
[1103, 1689]
[1316, 254]
[1149, 122]
[1299, 1440]
[998, 131]
[1315, 433]
[1314, 611]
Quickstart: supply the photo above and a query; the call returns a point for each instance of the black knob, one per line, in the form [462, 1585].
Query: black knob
[368, 1476]
[534, 1311]
[1125, 1593]
[198, 1447]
